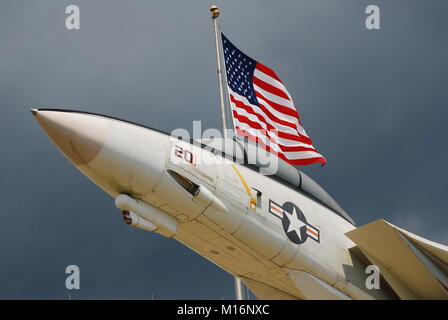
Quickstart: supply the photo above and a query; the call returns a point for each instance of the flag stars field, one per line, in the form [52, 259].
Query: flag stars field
[263, 110]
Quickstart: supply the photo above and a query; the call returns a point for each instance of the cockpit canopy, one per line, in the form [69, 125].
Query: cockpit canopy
[248, 154]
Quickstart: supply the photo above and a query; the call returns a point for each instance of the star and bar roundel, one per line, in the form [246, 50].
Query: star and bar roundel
[294, 223]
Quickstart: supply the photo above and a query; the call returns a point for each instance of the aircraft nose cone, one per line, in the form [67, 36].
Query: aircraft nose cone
[80, 137]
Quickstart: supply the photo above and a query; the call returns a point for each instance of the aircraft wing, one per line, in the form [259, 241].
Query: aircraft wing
[414, 267]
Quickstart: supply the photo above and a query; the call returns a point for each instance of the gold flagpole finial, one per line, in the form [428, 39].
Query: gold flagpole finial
[215, 11]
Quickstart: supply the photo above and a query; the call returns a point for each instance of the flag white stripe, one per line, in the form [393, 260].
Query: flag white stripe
[294, 121]
[290, 119]
[277, 127]
[293, 155]
[275, 98]
[302, 155]
[257, 134]
[259, 111]
[284, 117]
[272, 81]
[278, 114]
[283, 141]
[287, 117]
[297, 155]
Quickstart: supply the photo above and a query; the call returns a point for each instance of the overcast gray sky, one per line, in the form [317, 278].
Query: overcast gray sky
[374, 102]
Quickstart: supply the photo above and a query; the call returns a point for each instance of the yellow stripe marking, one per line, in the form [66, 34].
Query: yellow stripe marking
[242, 179]
[252, 201]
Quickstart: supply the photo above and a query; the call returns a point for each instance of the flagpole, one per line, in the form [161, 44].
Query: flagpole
[215, 14]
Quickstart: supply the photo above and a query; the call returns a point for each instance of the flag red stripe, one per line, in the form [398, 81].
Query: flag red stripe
[270, 88]
[296, 148]
[249, 109]
[276, 119]
[282, 109]
[290, 111]
[263, 131]
[296, 137]
[267, 70]
[268, 113]
[297, 162]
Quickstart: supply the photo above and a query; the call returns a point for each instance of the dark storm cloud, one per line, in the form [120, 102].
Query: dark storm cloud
[373, 101]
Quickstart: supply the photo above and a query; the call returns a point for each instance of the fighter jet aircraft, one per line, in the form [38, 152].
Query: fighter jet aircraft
[277, 230]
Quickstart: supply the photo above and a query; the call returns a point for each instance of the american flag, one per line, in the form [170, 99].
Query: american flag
[263, 110]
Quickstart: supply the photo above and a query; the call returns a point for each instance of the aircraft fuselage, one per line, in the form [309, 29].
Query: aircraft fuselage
[281, 242]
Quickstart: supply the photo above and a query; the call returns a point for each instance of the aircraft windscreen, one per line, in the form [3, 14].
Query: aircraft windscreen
[248, 154]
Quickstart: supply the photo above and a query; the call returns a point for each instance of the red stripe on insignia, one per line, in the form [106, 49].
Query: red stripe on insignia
[311, 231]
